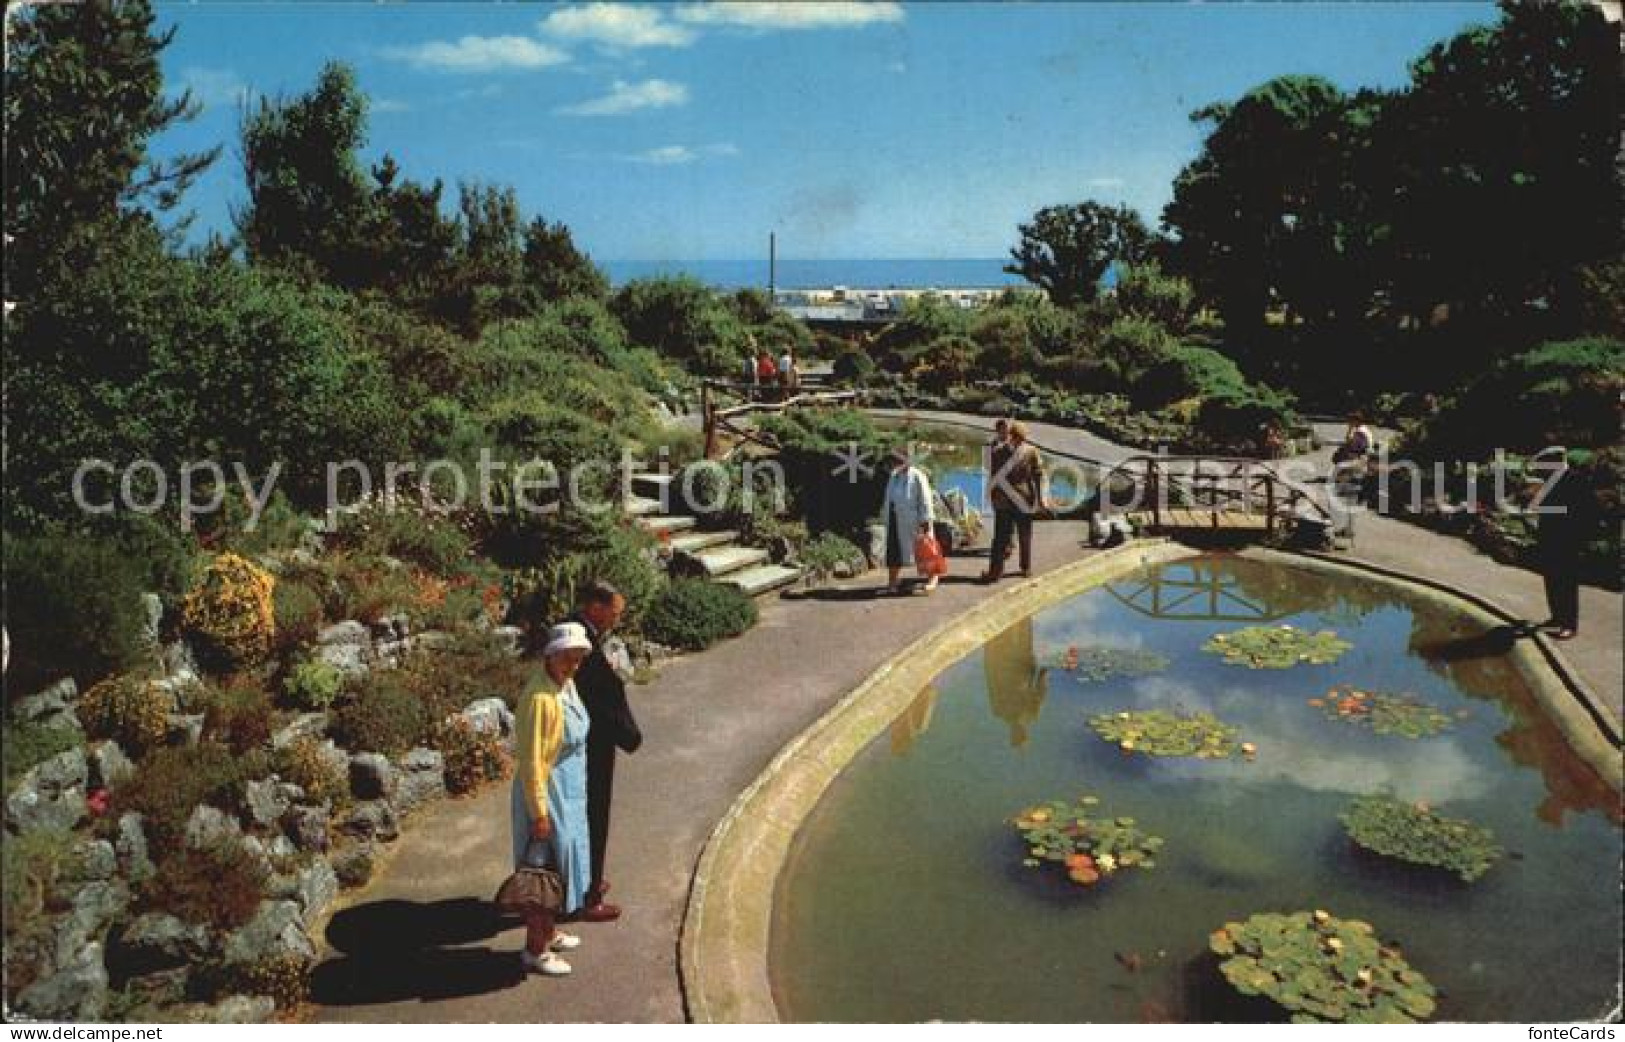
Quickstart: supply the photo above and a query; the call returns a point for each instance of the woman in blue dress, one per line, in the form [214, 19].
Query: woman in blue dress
[550, 793]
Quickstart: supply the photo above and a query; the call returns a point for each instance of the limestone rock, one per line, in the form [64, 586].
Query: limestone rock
[490, 716]
[53, 707]
[305, 725]
[51, 795]
[422, 777]
[130, 846]
[372, 819]
[109, 767]
[307, 827]
[156, 941]
[264, 802]
[96, 859]
[77, 991]
[95, 906]
[276, 931]
[209, 826]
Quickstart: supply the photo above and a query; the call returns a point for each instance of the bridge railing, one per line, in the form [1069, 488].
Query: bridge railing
[752, 399]
[1160, 485]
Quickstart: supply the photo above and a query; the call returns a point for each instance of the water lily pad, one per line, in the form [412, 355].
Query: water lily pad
[1158, 732]
[1090, 849]
[1277, 647]
[1322, 969]
[1413, 832]
[1384, 712]
[1095, 664]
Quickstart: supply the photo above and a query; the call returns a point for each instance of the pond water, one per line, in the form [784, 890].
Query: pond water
[905, 898]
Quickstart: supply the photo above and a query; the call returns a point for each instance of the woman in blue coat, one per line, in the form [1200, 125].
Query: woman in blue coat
[550, 793]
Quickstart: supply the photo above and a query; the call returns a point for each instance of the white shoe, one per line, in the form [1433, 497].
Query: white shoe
[547, 964]
[564, 942]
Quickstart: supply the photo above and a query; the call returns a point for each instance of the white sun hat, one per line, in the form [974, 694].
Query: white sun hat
[567, 636]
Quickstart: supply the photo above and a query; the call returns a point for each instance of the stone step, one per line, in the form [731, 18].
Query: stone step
[666, 524]
[724, 560]
[693, 542]
[639, 506]
[764, 578]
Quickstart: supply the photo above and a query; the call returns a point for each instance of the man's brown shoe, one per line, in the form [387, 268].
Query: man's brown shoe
[599, 913]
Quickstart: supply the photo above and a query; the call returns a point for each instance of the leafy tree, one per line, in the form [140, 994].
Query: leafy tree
[1256, 213]
[1066, 250]
[554, 268]
[1521, 182]
[410, 245]
[84, 95]
[1143, 290]
[308, 195]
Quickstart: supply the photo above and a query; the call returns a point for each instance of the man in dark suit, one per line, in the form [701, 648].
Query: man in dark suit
[603, 691]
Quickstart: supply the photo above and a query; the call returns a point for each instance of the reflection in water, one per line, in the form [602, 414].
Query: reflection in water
[907, 728]
[1015, 684]
[1477, 663]
[1199, 589]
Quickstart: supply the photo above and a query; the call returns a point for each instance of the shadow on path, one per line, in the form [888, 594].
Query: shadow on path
[396, 951]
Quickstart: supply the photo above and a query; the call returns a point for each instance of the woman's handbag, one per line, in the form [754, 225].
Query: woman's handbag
[928, 555]
[531, 889]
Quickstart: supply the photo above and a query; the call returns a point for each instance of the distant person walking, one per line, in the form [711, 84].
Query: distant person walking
[789, 372]
[910, 513]
[1016, 488]
[602, 685]
[549, 803]
[1566, 517]
[998, 453]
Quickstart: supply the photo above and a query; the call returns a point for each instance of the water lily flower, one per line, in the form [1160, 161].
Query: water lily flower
[1106, 863]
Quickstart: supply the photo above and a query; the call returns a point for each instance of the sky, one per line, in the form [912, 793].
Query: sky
[692, 130]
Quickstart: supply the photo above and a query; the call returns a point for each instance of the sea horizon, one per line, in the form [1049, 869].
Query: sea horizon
[855, 272]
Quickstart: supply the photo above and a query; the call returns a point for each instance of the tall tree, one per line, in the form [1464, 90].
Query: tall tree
[308, 195]
[1066, 250]
[554, 268]
[1257, 215]
[84, 95]
[1519, 183]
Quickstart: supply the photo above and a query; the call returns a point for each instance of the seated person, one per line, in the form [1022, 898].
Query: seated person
[1357, 441]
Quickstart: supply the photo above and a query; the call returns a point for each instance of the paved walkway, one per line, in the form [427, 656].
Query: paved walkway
[417, 945]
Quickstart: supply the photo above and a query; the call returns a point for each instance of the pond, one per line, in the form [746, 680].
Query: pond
[953, 456]
[906, 897]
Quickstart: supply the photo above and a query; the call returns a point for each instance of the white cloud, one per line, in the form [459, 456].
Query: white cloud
[630, 97]
[798, 15]
[617, 25]
[490, 90]
[212, 87]
[480, 54]
[1105, 182]
[382, 105]
[677, 155]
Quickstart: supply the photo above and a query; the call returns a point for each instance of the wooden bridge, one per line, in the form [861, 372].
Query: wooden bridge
[1196, 495]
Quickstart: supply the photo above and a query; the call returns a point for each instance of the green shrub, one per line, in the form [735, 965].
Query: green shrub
[823, 553]
[1188, 372]
[1560, 393]
[72, 608]
[215, 884]
[693, 614]
[567, 550]
[474, 666]
[238, 714]
[1239, 415]
[130, 710]
[33, 867]
[170, 782]
[1143, 290]
[302, 762]
[471, 757]
[297, 610]
[408, 533]
[944, 362]
[385, 716]
[367, 588]
[854, 366]
[1131, 345]
[29, 745]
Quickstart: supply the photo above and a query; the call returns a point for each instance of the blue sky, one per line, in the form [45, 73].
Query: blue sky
[691, 130]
